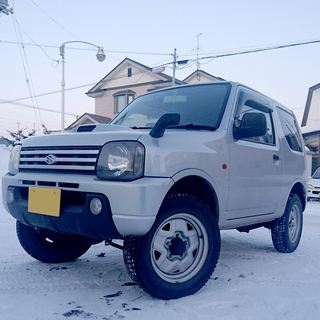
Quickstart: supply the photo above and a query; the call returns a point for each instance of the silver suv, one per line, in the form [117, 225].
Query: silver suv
[171, 170]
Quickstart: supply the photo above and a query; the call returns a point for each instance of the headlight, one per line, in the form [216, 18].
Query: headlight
[123, 160]
[13, 166]
[310, 186]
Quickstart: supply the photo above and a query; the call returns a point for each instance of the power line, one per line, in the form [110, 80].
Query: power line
[26, 68]
[34, 43]
[261, 49]
[189, 63]
[54, 20]
[32, 107]
[170, 54]
[47, 93]
[90, 49]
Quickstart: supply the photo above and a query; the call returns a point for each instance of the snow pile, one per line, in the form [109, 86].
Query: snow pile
[252, 281]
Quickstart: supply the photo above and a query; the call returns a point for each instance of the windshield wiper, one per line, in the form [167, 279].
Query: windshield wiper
[186, 126]
[141, 127]
[194, 127]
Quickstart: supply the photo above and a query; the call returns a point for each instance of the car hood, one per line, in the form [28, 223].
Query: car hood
[92, 135]
[314, 182]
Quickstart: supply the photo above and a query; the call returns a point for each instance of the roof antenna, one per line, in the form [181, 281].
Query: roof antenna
[198, 48]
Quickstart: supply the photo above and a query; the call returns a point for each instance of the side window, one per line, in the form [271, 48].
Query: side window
[249, 108]
[290, 129]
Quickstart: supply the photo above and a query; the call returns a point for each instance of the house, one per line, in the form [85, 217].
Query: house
[89, 118]
[311, 113]
[130, 79]
[310, 126]
[201, 76]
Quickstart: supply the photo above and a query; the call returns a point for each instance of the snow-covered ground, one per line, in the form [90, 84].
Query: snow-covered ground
[251, 281]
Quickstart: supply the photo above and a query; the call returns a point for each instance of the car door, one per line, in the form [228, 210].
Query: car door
[255, 164]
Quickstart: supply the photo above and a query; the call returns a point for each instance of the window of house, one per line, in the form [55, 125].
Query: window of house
[129, 98]
[122, 99]
[312, 141]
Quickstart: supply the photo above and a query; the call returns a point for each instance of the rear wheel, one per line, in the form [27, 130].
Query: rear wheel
[49, 246]
[178, 255]
[286, 231]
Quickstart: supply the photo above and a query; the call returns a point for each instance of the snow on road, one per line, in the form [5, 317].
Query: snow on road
[251, 281]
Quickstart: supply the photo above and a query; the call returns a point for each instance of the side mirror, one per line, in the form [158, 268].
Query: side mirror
[165, 121]
[251, 125]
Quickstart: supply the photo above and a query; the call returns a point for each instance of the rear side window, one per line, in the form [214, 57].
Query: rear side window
[290, 129]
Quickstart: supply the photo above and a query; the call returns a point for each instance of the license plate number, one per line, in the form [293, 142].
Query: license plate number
[44, 201]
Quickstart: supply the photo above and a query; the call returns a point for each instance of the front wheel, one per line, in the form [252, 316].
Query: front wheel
[286, 231]
[178, 255]
[49, 246]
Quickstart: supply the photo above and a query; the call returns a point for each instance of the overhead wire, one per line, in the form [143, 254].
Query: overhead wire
[169, 64]
[189, 64]
[261, 49]
[40, 108]
[47, 93]
[91, 49]
[18, 29]
[54, 20]
[27, 71]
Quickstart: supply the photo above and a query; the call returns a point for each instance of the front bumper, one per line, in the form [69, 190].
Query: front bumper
[314, 194]
[129, 208]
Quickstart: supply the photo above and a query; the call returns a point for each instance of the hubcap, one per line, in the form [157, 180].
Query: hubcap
[294, 223]
[179, 248]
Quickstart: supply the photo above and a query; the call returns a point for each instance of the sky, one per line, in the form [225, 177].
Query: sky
[148, 32]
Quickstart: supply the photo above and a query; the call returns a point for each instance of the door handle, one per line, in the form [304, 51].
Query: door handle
[276, 157]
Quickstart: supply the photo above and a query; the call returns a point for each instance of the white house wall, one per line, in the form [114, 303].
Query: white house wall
[119, 78]
[104, 105]
[199, 78]
[141, 81]
[314, 112]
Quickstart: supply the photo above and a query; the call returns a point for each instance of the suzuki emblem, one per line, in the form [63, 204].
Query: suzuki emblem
[50, 159]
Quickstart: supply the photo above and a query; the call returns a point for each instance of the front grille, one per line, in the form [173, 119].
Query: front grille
[70, 160]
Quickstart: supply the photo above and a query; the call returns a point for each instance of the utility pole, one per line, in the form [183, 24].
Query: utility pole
[174, 67]
[100, 56]
[63, 86]
[4, 7]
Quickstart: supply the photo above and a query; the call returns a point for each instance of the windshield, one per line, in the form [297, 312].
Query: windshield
[201, 105]
[316, 175]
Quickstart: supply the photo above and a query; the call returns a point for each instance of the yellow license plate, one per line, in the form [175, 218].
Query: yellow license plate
[44, 201]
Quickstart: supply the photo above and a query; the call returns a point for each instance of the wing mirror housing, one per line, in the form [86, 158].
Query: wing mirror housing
[251, 125]
[165, 121]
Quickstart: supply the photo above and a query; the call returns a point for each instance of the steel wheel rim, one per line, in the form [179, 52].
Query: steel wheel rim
[179, 248]
[294, 223]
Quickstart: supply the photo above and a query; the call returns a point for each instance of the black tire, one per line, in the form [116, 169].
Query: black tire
[48, 246]
[178, 255]
[286, 231]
